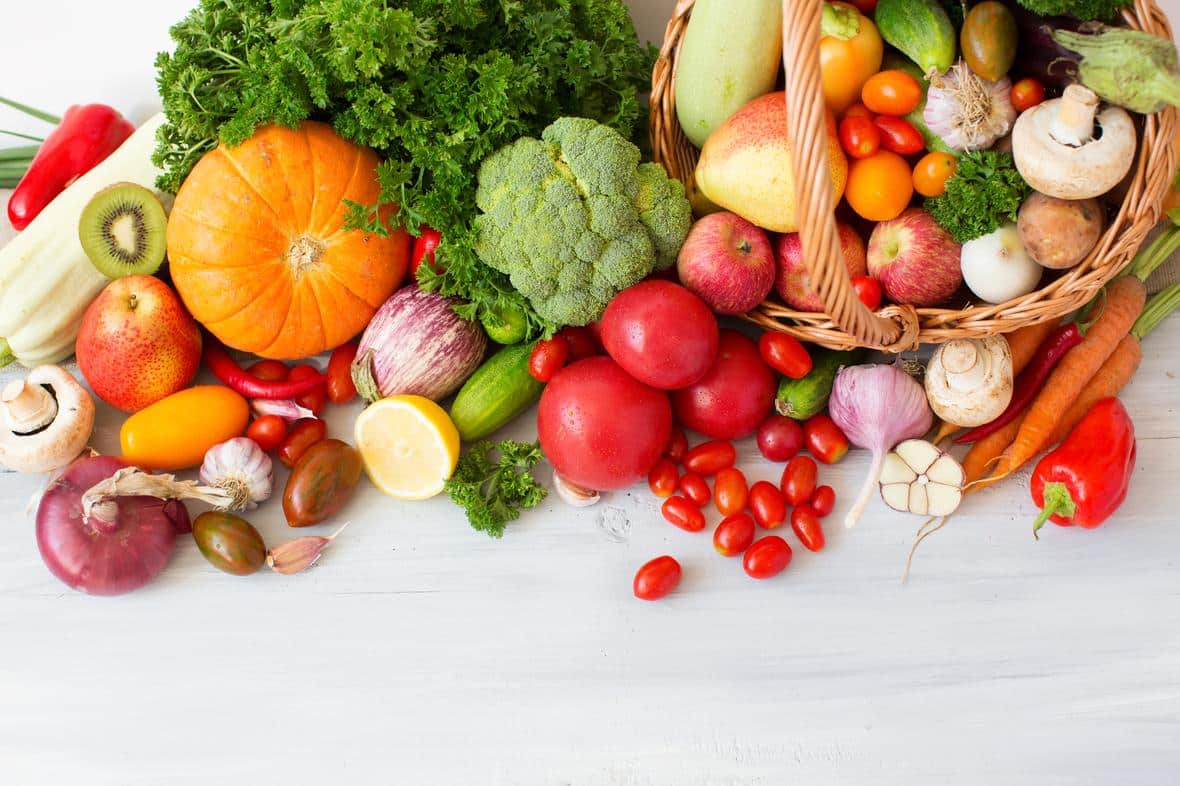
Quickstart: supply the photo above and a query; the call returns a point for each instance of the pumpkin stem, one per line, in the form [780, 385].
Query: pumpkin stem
[304, 252]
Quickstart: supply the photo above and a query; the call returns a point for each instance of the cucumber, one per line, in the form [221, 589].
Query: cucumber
[802, 398]
[920, 29]
[496, 393]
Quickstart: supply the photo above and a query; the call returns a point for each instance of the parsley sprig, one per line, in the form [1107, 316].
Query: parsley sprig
[495, 489]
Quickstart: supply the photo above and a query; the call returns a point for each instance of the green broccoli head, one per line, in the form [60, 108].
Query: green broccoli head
[573, 218]
[1086, 10]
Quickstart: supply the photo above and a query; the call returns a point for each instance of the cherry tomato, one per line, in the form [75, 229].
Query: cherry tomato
[601, 428]
[734, 395]
[932, 171]
[768, 505]
[898, 136]
[270, 370]
[1026, 94]
[267, 431]
[548, 357]
[695, 488]
[824, 439]
[341, 389]
[317, 397]
[424, 246]
[734, 535]
[677, 445]
[859, 110]
[868, 291]
[684, 514]
[859, 136]
[798, 483]
[805, 523]
[879, 187]
[303, 434]
[730, 491]
[891, 92]
[709, 458]
[766, 557]
[823, 500]
[661, 333]
[663, 478]
[582, 342]
[785, 354]
[656, 578]
[780, 438]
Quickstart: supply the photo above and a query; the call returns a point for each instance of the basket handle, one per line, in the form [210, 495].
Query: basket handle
[807, 134]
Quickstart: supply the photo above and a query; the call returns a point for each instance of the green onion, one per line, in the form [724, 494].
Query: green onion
[19, 135]
[28, 110]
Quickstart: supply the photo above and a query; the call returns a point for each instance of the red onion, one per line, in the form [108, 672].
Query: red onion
[124, 543]
[417, 344]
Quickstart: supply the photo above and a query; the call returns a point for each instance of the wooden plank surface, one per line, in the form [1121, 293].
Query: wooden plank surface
[420, 652]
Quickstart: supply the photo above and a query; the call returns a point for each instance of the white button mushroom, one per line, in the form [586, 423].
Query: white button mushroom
[1056, 152]
[969, 381]
[45, 420]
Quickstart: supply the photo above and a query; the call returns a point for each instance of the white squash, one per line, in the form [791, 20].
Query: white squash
[46, 279]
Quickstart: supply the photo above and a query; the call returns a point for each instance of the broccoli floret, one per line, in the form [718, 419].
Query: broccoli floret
[573, 218]
[1085, 10]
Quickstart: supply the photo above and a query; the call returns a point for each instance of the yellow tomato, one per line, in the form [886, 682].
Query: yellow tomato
[850, 52]
[880, 186]
[177, 431]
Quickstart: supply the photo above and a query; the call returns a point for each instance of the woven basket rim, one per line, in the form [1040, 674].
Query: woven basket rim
[1151, 178]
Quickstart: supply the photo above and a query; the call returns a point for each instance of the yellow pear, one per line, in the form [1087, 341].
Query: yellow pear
[745, 165]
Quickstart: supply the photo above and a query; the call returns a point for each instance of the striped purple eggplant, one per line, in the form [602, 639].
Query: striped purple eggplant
[417, 344]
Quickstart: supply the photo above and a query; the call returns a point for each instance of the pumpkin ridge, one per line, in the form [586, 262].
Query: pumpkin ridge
[294, 307]
[303, 173]
[276, 281]
[347, 288]
[328, 230]
[217, 229]
[278, 219]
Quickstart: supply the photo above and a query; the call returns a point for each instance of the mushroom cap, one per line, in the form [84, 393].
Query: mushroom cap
[1046, 159]
[66, 434]
[969, 381]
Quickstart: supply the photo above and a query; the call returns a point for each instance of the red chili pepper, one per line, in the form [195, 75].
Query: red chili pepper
[1030, 381]
[84, 138]
[240, 381]
[1085, 478]
[424, 247]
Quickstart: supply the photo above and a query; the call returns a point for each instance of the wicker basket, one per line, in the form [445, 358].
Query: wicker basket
[846, 322]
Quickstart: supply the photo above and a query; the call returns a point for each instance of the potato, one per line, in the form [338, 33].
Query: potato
[1059, 233]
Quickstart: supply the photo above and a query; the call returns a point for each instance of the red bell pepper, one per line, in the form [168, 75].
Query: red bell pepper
[424, 246]
[1085, 478]
[84, 138]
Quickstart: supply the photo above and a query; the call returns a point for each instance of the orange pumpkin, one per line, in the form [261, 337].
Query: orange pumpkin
[258, 250]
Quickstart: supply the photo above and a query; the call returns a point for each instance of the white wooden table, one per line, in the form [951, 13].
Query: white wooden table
[420, 652]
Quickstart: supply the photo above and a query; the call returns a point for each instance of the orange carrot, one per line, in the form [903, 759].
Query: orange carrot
[1124, 300]
[1114, 375]
[984, 453]
[1024, 342]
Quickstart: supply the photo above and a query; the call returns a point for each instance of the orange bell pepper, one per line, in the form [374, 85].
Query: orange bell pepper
[850, 51]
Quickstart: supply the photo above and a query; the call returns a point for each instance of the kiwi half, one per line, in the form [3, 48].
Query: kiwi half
[123, 231]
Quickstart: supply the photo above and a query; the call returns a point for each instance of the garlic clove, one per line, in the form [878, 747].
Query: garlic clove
[922, 479]
[917, 454]
[573, 494]
[946, 471]
[896, 470]
[896, 496]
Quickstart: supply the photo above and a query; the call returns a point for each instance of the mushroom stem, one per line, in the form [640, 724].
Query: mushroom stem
[1074, 124]
[27, 407]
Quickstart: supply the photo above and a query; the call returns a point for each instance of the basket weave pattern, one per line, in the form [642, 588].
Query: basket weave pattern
[846, 322]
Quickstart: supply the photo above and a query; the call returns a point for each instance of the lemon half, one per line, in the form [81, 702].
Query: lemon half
[409, 445]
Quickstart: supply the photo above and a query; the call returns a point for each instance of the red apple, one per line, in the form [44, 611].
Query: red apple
[727, 262]
[916, 260]
[793, 283]
[137, 343]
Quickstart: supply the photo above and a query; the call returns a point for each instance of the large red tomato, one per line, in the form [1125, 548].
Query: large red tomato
[661, 334]
[733, 397]
[600, 427]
